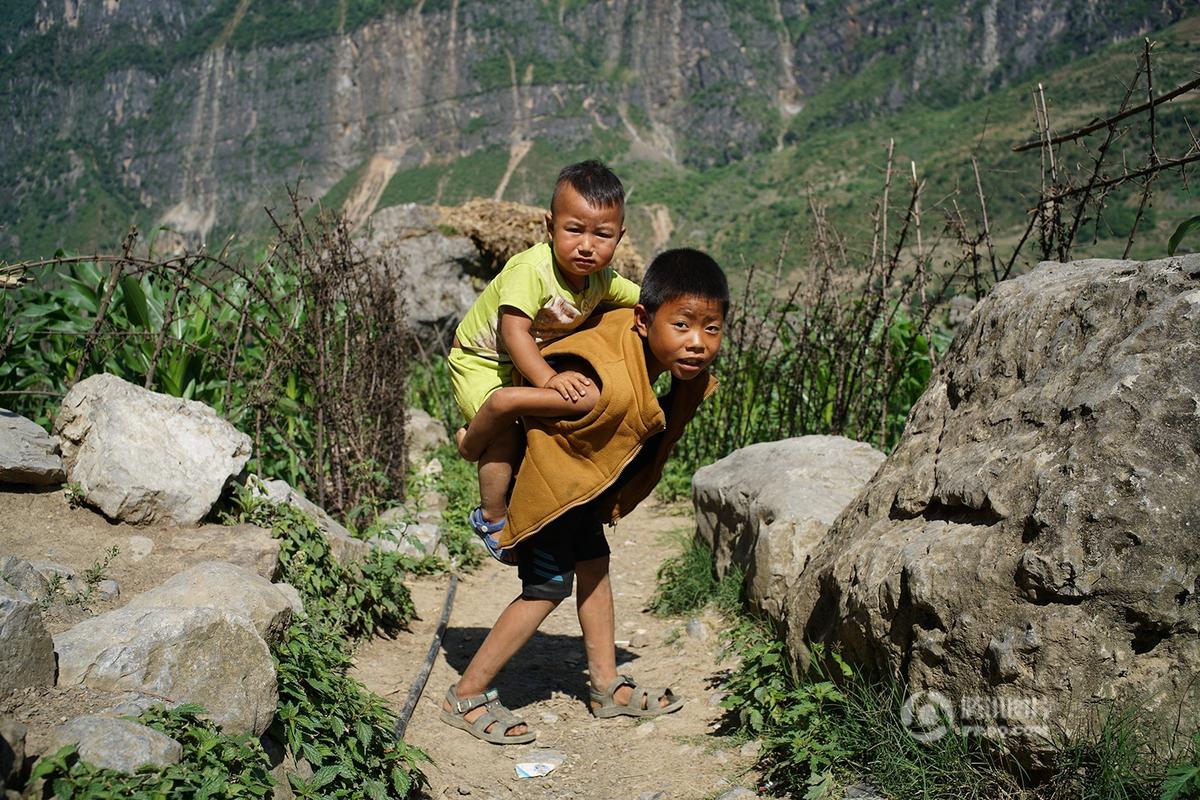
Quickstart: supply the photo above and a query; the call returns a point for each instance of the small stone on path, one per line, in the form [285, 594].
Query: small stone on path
[739, 793]
[697, 630]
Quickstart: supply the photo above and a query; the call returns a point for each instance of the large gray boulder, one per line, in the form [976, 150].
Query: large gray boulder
[118, 744]
[1034, 534]
[431, 264]
[143, 457]
[28, 454]
[228, 587]
[764, 507]
[247, 546]
[192, 655]
[24, 577]
[26, 650]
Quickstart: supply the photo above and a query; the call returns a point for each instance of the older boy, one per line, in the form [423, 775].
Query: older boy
[542, 294]
[591, 461]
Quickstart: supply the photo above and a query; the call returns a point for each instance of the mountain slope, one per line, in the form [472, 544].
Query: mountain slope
[195, 113]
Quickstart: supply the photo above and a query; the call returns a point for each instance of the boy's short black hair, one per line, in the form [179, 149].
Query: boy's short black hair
[683, 272]
[595, 183]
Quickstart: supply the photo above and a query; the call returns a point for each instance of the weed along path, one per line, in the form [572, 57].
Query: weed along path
[675, 756]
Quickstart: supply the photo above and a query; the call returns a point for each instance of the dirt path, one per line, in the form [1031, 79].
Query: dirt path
[674, 757]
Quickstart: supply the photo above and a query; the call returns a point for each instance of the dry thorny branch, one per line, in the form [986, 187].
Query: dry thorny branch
[306, 348]
[849, 346]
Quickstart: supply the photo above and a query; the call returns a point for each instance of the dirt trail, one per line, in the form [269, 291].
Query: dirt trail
[614, 759]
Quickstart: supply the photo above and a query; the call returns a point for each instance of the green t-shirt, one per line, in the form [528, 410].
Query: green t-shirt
[532, 284]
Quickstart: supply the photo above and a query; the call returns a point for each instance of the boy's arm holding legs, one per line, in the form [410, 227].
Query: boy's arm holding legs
[508, 404]
[516, 333]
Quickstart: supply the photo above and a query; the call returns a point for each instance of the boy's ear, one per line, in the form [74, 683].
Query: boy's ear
[641, 320]
[549, 220]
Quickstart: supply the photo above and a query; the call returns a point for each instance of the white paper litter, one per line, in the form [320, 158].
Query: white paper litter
[538, 763]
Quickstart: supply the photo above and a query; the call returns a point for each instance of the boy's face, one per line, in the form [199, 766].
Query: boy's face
[583, 237]
[683, 337]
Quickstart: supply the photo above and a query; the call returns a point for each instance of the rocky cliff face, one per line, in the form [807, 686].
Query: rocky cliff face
[190, 112]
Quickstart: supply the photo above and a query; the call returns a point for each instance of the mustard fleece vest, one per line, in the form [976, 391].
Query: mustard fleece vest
[570, 462]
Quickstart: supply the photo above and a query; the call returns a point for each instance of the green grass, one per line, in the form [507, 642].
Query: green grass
[828, 725]
[687, 583]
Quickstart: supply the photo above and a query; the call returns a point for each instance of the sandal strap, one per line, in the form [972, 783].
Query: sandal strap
[482, 526]
[618, 682]
[462, 705]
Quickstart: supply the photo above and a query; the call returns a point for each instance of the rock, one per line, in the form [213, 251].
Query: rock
[281, 763]
[764, 507]
[12, 752]
[1031, 541]
[139, 547]
[396, 515]
[414, 541]
[134, 705]
[118, 744]
[697, 630]
[423, 434]
[108, 589]
[431, 265]
[750, 749]
[193, 655]
[26, 650]
[228, 587]
[344, 546]
[248, 546]
[640, 639]
[652, 796]
[51, 570]
[143, 457]
[28, 454]
[738, 793]
[862, 791]
[22, 576]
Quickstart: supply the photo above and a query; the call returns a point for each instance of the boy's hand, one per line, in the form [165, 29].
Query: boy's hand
[570, 384]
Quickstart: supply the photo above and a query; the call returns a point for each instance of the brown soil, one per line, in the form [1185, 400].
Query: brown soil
[678, 755]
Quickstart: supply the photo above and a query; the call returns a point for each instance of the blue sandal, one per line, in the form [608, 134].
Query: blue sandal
[488, 532]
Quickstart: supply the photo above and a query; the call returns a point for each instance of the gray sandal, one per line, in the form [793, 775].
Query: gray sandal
[503, 719]
[644, 702]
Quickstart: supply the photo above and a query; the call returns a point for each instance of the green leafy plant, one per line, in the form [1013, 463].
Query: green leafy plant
[1183, 779]
[214, 765]
[326, 717]
[1185, 227]
[73, 493]
[686, 581]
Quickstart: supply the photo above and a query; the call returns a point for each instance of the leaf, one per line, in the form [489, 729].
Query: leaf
[364, 732]
[135, 302]
[323, 776]
[1179, 781]
[376, 790]
[1184, 228]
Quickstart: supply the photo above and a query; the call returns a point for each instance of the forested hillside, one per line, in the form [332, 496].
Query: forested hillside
[193, 114]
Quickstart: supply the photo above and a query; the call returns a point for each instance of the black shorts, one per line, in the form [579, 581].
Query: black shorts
[546, 561]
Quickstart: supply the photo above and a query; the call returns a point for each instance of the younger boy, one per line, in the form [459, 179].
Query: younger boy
[541, 295]
[589, 461]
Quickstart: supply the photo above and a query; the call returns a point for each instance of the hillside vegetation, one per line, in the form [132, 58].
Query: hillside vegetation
[196, 113]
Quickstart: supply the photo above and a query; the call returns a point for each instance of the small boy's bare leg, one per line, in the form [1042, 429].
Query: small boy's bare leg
[597, 621]
[514, 628]
[496, 468]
